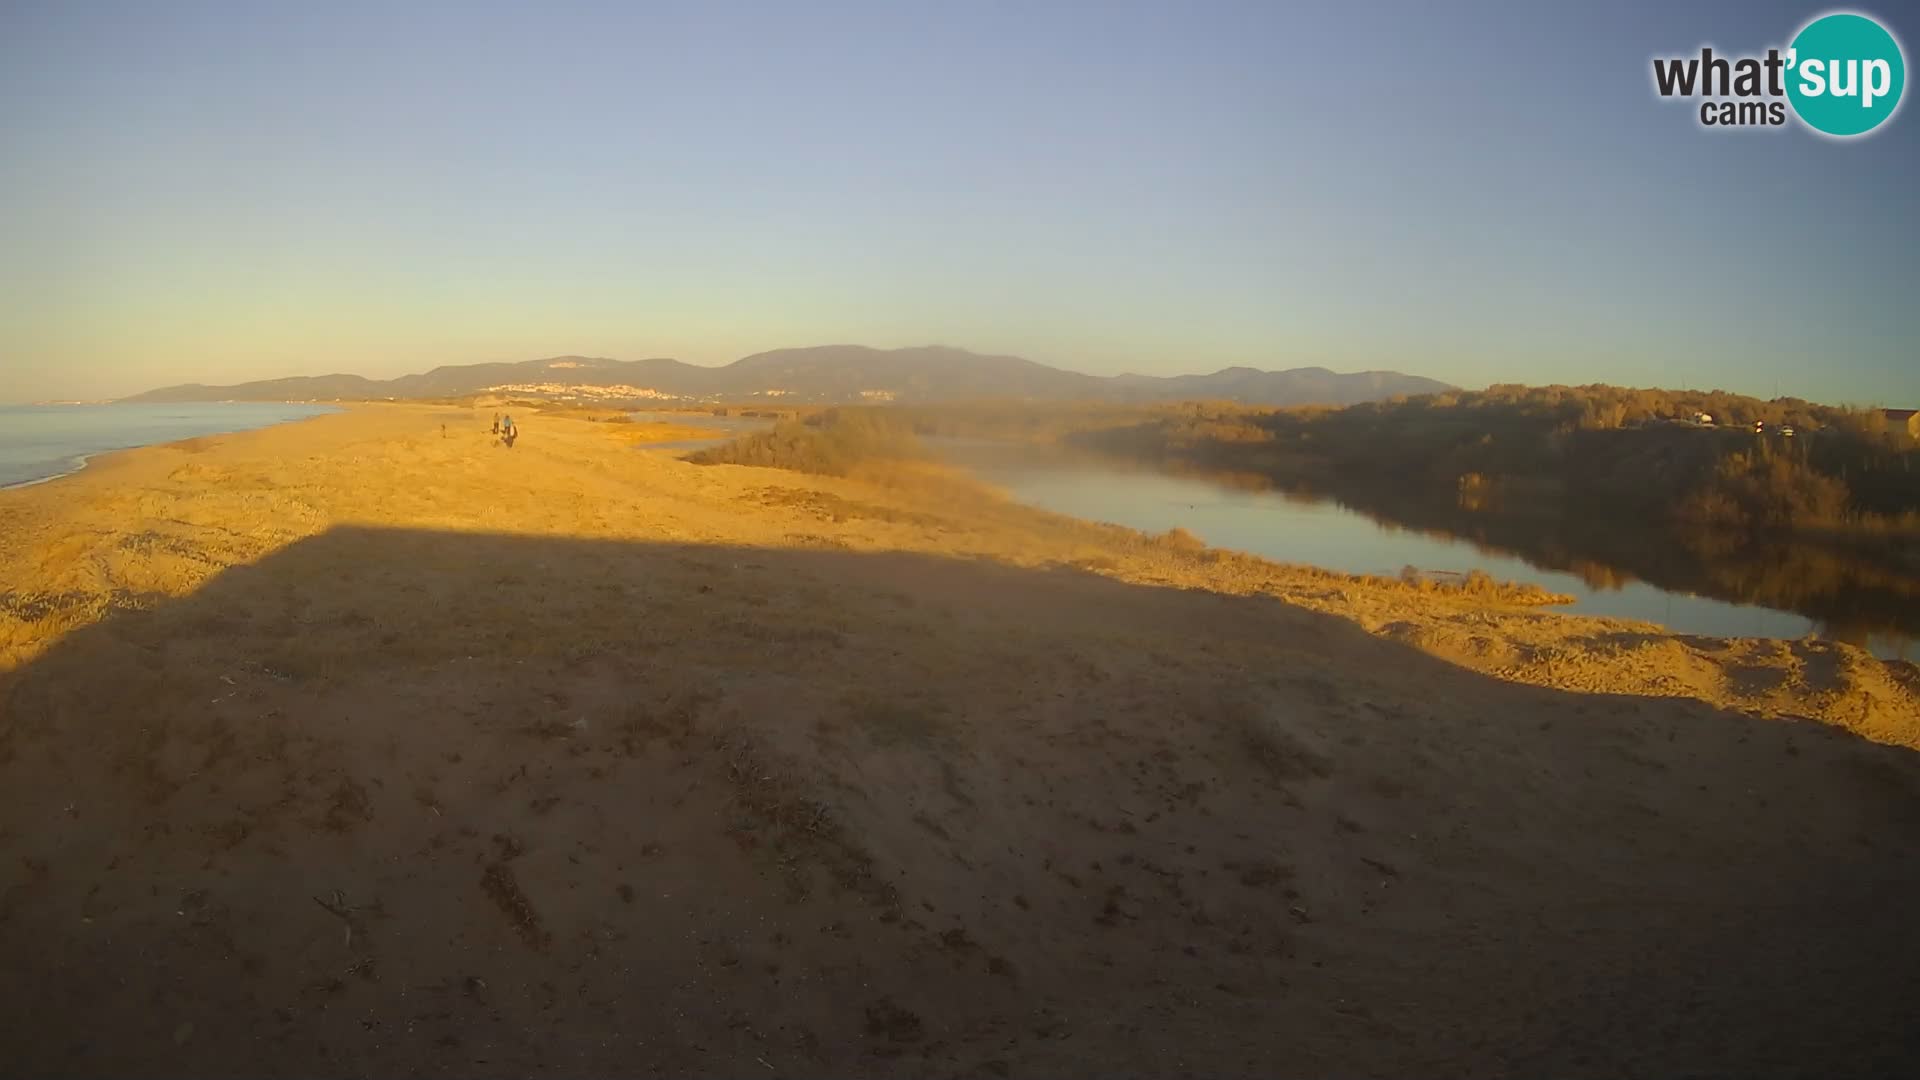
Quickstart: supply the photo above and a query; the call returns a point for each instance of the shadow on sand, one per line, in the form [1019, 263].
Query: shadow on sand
[405, 802]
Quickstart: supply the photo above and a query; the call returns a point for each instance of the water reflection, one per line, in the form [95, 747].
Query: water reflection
[1689, 584]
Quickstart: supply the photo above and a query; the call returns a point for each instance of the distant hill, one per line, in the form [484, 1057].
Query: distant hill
[297, 388]
[822, 374]
[1295, 386]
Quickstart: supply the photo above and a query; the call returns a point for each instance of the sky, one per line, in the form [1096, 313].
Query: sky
[1475, 192]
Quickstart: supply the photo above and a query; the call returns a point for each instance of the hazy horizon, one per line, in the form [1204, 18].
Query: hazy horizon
[1484, 194]
[267, 377]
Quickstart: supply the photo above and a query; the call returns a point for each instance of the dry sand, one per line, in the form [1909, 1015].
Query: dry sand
[342, 747]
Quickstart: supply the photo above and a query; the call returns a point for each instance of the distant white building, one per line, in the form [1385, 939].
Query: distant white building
[618, 391]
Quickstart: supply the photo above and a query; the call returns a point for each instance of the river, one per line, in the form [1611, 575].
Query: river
[1321, 532]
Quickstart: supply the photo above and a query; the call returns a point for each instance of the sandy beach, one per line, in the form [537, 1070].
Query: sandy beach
[346, 746]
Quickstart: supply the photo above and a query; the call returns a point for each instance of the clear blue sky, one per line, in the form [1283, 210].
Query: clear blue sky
[1476, 192]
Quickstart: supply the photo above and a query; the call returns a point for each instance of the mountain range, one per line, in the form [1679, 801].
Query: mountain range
[822, 374]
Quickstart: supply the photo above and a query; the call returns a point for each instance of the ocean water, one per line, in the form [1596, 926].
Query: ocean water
[41, 442]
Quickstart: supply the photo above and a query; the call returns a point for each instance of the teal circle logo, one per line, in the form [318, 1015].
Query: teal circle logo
[1845, 73]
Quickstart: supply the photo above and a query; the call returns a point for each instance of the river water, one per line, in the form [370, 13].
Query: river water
[1325, 534]
[1316, 532]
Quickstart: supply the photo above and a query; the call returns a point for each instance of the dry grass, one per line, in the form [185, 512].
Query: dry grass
[162, 523]
[637, 433]
[834, 443]
[550, 729]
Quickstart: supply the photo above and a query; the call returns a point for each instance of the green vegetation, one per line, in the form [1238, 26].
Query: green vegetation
[1632, 451]
[838, 442]
[1629, 451]
[1509, 448]
[1608, 483]
[1611, 484]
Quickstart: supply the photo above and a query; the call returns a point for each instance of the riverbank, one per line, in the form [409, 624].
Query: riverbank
[350, 745]
[1749, 533]
[1247, 514]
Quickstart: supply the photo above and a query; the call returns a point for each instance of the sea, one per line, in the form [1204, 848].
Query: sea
[42, 442]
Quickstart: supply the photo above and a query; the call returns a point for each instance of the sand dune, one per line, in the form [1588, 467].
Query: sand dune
[346, 747]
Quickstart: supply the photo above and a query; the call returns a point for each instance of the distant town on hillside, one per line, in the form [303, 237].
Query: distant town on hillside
[828, 374]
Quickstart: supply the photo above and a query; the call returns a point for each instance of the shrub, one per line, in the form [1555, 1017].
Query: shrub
[1768, 491]
[832, 444]
[1182, 541]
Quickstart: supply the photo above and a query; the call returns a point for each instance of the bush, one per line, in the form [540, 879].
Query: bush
[1182, 541]
[1768, 491]
[831, 444]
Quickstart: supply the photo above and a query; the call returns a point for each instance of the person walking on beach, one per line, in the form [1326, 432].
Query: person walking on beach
[508, 432]
[496, 423]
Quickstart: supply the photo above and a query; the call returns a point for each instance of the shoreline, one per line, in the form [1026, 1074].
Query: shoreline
[1430, 551]
[102, 458]
[83, 460]
[331, 723]
[1005, 529]
[79, 462]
